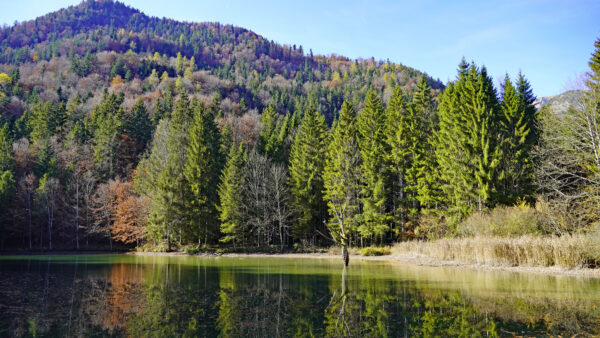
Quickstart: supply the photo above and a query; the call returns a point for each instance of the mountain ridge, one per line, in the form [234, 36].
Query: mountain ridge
[247, 65]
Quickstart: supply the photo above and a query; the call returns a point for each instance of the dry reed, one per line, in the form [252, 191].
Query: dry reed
[569, 251]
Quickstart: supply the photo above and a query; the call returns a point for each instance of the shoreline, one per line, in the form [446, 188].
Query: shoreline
[418, 260]
[413, 259]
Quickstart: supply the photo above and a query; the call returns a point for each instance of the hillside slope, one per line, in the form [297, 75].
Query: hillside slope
[50, 52]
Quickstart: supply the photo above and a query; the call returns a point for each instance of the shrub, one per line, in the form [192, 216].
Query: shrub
[375, 251]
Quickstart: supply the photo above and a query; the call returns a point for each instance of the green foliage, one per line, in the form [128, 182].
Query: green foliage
[273, 139]
[107, 126]
[342, 175]
[307, 160]
[45, 120]
[201, 171]
[375, 251]
[230, 196]
[518, 124]
[139, 126]
[163, 177]
[371, 142]
[468, 147]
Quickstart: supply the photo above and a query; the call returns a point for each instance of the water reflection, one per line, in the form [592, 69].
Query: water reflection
[233, 297]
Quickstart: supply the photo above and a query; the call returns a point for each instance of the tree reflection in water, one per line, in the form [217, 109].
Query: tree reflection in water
[269, 298]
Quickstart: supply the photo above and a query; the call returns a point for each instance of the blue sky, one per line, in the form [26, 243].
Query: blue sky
[550, 41]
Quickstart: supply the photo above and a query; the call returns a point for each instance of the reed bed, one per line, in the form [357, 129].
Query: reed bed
[568, 251]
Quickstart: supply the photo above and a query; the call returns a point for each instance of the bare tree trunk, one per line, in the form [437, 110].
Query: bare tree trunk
[77, 216]
[345, 255]
[29, 218]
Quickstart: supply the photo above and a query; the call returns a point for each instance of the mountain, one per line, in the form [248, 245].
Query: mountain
[561, 102]
[82, 49]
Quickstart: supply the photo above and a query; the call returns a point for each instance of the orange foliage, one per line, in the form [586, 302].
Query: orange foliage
[127, 214]
[117, 80]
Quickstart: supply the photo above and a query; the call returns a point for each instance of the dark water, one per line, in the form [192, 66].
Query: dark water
[124, 295]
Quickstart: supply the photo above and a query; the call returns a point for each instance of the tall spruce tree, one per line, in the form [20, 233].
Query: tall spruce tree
[468, 141]
[371, 141]
[307, 160]
[341, 177]
[425, 166]
[406, 143]
[7, 180]
[518, 126]
[107, 126]
[139, 126]
[230, 197]
[164, 178]
[202, 170]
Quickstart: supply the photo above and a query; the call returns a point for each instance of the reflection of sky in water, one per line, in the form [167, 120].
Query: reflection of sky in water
[273, 296]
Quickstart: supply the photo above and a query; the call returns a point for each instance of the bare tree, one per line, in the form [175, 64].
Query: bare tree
[568, 162]
[46, 193]
[279, 193]
[26, 192]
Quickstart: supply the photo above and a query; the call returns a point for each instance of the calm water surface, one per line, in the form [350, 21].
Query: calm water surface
[126, 295]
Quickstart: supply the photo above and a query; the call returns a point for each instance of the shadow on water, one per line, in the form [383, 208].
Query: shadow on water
[123, 295]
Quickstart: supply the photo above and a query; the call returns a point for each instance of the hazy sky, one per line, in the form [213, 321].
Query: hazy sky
[550, 41]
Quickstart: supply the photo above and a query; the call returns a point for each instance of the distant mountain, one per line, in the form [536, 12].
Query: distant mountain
[561, 102]
[81, 49]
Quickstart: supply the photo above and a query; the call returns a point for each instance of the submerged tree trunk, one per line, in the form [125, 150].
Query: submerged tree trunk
[345, 255]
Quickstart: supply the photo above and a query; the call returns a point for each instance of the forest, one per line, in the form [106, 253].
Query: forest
[123, 131]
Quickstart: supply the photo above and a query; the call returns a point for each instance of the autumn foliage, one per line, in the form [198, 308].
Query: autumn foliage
[127, 213]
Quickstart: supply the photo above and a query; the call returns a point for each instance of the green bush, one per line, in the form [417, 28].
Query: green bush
[375, 251]
[149, 247]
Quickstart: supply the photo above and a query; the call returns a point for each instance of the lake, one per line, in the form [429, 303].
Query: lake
[164, 296]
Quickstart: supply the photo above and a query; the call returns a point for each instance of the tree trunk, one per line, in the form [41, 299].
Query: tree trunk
[77, 217]
[345, 255]
[29, 218]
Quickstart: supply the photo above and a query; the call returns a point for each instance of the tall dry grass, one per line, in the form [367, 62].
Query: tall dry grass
[569, 251]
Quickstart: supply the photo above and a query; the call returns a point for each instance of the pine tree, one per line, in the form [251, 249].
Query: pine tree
[45, 120]
[202, 170]
[139, 126]
[230, 197]
[7, 179]
[307, 160]
[468, 147]
[163, 176]
[425, 166]
[341, 177]
[517, 123]
[405, 137]
[371, 142]
[106, 124]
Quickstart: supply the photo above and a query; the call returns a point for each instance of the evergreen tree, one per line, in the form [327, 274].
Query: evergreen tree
[139, 126]
[230, 197]
[202, 170]
[107, 125]
[163, 176]
[307, 160]
[517, 123]
[341, 177]
[468, 141]
[406, 142]
[425, 167]
[7, 179]
[45, 120]
[371, 141]
[226, 141]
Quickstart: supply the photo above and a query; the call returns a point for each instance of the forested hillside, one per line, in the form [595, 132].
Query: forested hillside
[122, 129]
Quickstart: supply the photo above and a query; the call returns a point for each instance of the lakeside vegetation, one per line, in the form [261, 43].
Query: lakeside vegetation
[123, 130]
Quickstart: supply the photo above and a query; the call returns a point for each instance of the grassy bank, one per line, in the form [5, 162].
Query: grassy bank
[569, 251]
